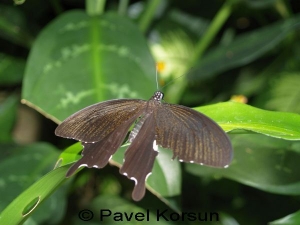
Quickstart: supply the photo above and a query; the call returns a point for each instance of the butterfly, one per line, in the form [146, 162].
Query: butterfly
[102, 128]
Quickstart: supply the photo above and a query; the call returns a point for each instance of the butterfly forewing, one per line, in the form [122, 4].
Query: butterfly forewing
[95, 122]
[192, 136]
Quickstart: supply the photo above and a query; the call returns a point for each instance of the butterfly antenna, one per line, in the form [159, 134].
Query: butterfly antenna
[172, 81]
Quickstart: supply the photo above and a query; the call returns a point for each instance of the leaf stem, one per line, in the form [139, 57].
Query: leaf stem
[95, 7]
[123, 5]
[212, 31]
[148, 14]
[174, 93]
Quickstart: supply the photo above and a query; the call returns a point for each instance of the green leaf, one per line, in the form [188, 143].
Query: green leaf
[8, 112]
[292, 219]
[231, 116]
[81, 60]
[25, 166]
[262, 162]
[70, 155]
[243, 49]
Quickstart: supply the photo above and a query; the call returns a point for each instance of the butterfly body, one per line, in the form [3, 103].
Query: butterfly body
[102, 127]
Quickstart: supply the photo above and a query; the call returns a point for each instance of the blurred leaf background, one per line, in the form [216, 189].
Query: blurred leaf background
[60, 56]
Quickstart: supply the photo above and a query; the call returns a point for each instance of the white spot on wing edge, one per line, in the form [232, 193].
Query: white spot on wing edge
[85, 142]
[191, 161]
[180, 160]
[148, 176]
[155, 146]
[95, 166]
[82, 165]
[226, 166]
[131, 178]
[135, 180]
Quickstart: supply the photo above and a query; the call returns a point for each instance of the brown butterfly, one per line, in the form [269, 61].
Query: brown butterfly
[102, 128]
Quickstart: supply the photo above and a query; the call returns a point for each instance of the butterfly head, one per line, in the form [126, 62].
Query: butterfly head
[158, 96]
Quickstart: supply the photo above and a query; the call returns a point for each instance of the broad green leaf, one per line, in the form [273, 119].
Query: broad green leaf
[8, 113]
[79, 60]
[244, 49]
[20, 171]
[231, 116]
[292, 219]
[262, 162]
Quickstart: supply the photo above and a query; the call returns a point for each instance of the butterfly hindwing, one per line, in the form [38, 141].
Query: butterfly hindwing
[139, 157]
[99, 153]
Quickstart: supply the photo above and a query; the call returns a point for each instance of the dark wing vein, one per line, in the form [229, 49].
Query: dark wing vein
[95, 122]
[192, 136]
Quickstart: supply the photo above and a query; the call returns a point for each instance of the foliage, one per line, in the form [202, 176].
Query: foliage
[66, 56]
